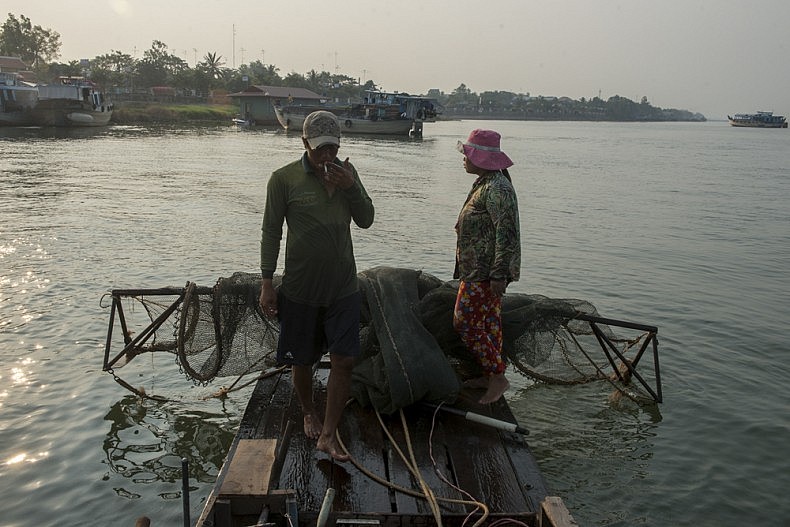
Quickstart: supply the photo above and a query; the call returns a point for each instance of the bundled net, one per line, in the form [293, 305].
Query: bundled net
[224, 333]
[410, 351]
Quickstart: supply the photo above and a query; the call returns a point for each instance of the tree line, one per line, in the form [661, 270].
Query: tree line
[120, 73]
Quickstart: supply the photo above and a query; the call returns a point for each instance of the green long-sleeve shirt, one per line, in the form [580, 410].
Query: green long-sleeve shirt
[319, 254]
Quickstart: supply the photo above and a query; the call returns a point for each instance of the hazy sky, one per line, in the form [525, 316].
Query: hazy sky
[710, 56]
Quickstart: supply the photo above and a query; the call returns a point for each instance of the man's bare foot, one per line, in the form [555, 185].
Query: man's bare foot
[312, 425]
[330, 445]
[479, 382]
[497, 386]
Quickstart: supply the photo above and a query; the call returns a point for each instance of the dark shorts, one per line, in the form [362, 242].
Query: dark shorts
[307, 332]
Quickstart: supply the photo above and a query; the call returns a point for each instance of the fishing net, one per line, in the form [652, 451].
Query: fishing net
[410, 351]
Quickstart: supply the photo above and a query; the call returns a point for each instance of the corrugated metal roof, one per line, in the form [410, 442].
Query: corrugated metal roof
[12, 64]
[278, 92]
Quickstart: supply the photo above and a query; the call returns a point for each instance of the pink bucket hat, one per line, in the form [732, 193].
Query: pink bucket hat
[482, 149]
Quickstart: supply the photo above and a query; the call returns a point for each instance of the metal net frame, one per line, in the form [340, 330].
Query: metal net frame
[220, 331]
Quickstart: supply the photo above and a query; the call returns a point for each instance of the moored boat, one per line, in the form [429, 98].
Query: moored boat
[17, 100]
[758, 120]
[72, 102]
[380, 113]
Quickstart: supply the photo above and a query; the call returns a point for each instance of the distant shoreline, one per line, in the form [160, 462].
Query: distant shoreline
[153, 113]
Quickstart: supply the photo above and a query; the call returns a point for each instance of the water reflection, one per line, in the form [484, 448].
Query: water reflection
[147, 440]
[52, 132]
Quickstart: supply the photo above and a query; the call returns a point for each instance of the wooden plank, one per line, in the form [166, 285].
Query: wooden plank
[259, 400]
[303, 469]
[362, 436]
[555, 514]
[274, 412]
[429, 446]
[482, 465]
[525, 465]
[250, 468]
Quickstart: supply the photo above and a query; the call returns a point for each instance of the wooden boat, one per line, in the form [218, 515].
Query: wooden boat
[72, 102]
[411, 465]
[17, 100]
[380, 113]
[758, 120]
[428, 465]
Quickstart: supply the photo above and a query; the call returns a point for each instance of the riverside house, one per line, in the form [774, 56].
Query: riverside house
[256, 102]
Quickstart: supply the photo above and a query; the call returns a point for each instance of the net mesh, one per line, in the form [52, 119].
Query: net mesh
[410, 350]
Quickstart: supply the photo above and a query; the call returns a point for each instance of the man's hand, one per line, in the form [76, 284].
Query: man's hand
[340, 176]
[268, 298]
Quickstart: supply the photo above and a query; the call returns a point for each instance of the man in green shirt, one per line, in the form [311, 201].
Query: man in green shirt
[318, 302]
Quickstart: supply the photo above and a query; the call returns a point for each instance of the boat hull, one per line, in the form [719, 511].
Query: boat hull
[758, 125]
[67, 112]
[293, 121]
[17, 118]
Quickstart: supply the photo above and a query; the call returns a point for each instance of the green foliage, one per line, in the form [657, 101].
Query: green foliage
[176, 113]
[33, 44]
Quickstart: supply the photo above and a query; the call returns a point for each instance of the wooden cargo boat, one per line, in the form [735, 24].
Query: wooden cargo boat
[273, 475]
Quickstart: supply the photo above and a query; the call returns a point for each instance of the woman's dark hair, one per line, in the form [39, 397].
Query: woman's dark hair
[507, 174]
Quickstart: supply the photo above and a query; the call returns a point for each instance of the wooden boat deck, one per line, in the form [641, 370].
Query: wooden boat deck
[273, 475]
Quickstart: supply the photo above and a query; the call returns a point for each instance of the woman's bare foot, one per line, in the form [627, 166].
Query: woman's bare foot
[312, 425]
[330, 445]
[497, 386]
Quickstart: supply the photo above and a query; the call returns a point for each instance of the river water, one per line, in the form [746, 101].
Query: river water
[685, 226]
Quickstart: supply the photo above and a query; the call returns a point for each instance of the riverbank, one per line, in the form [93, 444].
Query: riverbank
[147, 113]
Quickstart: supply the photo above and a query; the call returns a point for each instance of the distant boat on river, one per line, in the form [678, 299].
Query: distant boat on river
[758, 120]
[73, 101]
[380, 113]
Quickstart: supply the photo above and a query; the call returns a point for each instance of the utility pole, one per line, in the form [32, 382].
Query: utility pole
[242, 55]
[195, 51]
[234, 46]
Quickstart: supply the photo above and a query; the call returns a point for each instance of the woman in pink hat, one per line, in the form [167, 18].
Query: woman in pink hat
[487, 258]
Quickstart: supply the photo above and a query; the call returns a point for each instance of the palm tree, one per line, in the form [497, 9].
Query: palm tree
[212, 63]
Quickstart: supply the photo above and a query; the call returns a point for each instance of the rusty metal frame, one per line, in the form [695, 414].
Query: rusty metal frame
[608, 346]
[134, 345]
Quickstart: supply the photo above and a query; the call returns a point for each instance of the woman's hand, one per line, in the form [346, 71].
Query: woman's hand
[498, 287]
